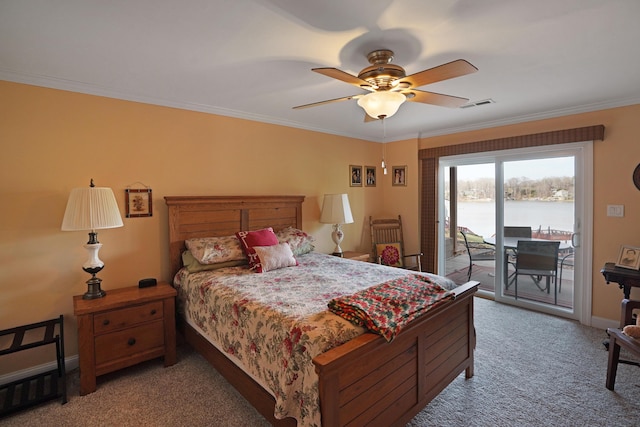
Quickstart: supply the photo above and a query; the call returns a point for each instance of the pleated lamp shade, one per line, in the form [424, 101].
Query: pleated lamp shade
[336, 209]
[91, 208]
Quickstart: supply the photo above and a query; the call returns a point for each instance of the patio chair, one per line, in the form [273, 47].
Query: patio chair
[477, 251]
[511, 253]
[538, 260]
[387, 244]
[567, 260]
[517, 231]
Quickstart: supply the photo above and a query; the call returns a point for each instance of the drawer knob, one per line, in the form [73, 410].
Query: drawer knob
[131, 341]
[105, 322]
[153, 311]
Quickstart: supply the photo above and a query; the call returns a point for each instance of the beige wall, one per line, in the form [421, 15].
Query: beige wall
[53, 141]
[615, 158]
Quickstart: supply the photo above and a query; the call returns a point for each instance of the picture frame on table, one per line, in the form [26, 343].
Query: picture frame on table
[399, 176]
[370, 176]
[355, 176]
[138, 203]
[629, 257]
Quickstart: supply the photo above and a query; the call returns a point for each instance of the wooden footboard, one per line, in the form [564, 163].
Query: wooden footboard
[369, 381]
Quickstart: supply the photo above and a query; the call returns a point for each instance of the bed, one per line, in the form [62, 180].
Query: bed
[363, 380]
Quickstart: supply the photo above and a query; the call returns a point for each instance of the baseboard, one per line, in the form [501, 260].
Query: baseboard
[602, 323]
[70, 363]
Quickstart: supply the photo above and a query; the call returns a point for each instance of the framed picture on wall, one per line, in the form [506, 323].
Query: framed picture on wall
[355, 175]
[629, 257]
[370, 176]
[138, 203]
[399, 175]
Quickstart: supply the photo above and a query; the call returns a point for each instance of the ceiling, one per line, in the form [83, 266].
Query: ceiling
[253, 58]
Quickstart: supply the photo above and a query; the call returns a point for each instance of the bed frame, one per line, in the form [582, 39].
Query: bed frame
[364, 381]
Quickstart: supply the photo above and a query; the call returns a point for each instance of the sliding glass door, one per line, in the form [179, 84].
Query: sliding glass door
[497, 200]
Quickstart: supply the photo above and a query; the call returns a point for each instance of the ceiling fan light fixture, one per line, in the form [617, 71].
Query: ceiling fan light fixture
[381, 104]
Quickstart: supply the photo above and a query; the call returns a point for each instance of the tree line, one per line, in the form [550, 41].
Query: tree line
[521, 188]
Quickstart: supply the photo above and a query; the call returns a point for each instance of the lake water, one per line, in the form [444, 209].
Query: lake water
[479, 217]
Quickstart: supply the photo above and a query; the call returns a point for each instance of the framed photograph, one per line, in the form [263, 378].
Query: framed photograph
[370, 176]
[138, 202]
[355, 175]
[399, 175]
[629, 257]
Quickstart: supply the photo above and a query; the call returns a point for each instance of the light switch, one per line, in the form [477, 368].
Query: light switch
[615, 210]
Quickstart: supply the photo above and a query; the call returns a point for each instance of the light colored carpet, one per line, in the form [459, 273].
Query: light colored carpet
[531, 369]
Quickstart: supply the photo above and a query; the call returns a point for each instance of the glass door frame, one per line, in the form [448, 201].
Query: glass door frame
[583, 219]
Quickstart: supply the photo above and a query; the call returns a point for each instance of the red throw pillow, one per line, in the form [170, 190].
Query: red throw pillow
[249, 239]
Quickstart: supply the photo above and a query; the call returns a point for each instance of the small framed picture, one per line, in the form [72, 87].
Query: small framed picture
[355, 175]
[629, 257]
[370, 176]
[399, 175]
[138, 202]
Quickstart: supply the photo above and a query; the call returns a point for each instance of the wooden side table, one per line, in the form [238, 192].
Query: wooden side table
[125, 327]
[624, 277]
[358, 256]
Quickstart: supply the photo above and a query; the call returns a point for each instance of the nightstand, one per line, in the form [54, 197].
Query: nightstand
[125, 327]
[358, 256]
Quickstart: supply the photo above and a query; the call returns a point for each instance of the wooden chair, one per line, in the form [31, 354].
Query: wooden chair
[618, 340]
[387, 244]
[538, 259]
[477, 251]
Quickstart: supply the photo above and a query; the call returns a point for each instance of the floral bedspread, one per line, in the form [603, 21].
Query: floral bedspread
[273, 324]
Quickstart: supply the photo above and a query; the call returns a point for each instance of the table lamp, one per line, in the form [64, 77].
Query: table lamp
[92, 208]
[336, 211]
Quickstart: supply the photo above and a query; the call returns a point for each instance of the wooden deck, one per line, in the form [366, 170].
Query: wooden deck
[484, 272]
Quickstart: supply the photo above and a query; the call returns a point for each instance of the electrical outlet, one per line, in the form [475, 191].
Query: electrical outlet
[615, 210]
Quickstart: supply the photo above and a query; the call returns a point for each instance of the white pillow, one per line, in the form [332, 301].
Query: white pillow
[275, 256]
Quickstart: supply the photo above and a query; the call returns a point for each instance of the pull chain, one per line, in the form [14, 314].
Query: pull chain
[384, 137]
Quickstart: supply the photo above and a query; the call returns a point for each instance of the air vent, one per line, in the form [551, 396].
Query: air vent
[478, 103]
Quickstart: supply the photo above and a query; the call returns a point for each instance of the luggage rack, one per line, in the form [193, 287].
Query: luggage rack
[38, 388]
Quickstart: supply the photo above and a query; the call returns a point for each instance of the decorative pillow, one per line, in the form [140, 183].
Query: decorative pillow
[390, 254]
[301, 243]
[193, 266]
[249, 239]
[212, 250]
[275, 257]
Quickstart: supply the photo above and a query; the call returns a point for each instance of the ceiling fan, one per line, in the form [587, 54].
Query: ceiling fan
[389, 85]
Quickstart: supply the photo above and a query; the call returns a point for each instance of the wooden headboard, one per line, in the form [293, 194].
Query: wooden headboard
[211, 216]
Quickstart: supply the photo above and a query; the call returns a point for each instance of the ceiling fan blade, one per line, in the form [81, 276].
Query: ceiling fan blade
[446, 71]
[328, 101]
[433, 98]
[345, 77]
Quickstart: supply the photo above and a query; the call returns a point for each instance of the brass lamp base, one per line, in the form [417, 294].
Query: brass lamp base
[93, 285]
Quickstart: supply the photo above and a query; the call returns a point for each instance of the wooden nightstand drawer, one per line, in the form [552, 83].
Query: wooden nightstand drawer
[126, 317]
[124, 343]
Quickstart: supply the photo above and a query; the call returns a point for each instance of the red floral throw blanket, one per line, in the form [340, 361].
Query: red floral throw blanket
[387, 308]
